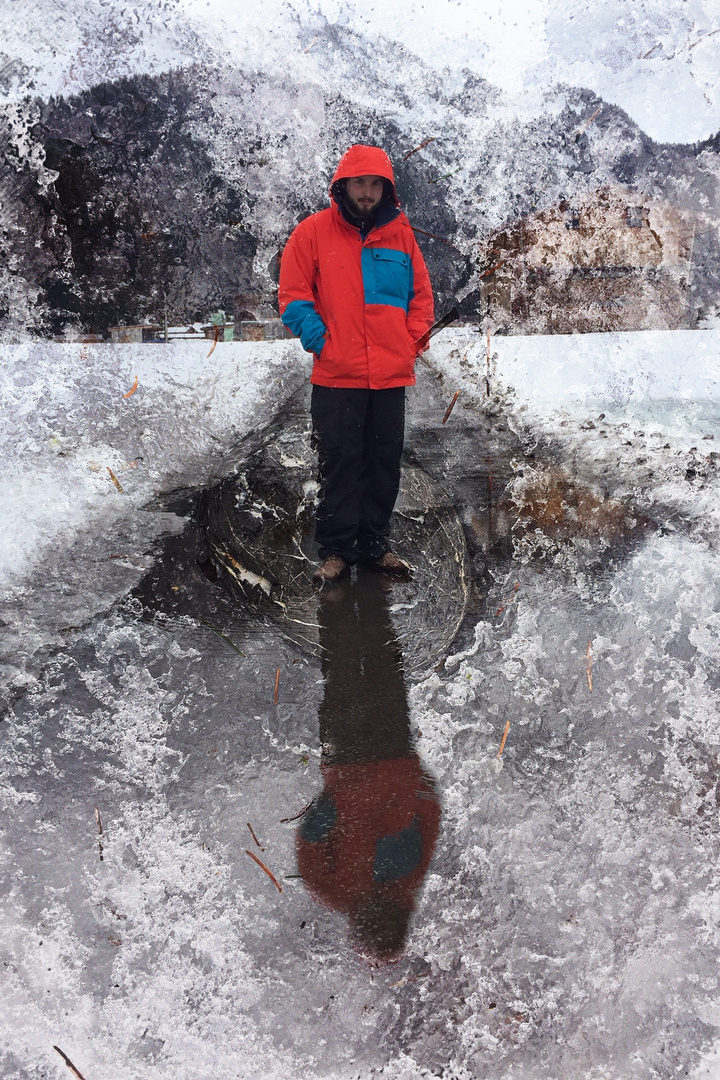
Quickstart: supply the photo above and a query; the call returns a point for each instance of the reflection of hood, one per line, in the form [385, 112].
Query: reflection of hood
[362, 160]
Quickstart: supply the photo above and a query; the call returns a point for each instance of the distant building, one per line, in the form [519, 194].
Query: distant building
[612, 260]
[125, 335]
[191, 332]
[219, 331]
[248, 330]
[78, 337]
[216, 330]
[262, 330]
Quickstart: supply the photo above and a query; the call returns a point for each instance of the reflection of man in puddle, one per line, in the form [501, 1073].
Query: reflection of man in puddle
[354, 288]
[365, 843]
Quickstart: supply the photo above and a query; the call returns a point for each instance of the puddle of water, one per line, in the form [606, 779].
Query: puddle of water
[260, 524]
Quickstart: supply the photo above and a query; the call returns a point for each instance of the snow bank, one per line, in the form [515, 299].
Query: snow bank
[671, 378]
[70, 418]
[83, 453]
[637, 412]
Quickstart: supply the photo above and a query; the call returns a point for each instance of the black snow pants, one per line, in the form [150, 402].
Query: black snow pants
[359, 435]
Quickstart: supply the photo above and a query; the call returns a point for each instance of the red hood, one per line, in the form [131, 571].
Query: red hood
[362, 160]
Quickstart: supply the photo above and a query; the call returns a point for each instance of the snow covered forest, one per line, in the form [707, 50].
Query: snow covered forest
[169, 676]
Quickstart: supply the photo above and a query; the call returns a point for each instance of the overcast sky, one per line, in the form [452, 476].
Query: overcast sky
[657, 59]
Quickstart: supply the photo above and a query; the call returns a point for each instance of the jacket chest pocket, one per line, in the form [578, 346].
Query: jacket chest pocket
[387, 277]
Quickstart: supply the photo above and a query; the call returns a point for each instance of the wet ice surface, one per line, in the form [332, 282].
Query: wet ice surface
[568, 923]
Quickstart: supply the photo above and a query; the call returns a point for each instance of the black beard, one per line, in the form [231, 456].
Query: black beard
[357, 211]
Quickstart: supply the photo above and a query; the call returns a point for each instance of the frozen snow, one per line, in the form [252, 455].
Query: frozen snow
[569, 923]
[70, 414]
[671, 379]
[71, 421]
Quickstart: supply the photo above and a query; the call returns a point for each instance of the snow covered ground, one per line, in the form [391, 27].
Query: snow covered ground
[71, 421]
[569, 923]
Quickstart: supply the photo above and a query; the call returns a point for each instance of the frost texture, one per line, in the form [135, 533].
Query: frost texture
[569, 924]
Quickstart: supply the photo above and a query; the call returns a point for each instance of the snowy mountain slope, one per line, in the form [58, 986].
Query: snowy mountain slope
[189, 183]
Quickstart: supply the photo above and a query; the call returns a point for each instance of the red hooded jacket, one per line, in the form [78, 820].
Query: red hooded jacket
[361, 306]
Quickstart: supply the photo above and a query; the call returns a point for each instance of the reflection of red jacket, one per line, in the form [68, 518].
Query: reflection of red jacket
[359, 306]
[375, 825]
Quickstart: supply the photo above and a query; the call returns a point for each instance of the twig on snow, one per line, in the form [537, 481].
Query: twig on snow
[68, 1062]
[285, 820]
[262, 866]
[216, 338]
[451, 406]
[114, 479]
[420, 147]
[589, 654]
[252, 833]
[588, 123]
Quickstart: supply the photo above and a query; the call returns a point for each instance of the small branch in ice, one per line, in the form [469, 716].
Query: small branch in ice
[505, 735]
[114, 479]
[435, 237]
[99, 829]
[451, 406]
[223, 636]
[68, 1062]
[420, 147]
[252, 833]
[285, 820]
[240, 573]
[444, 176]
[132, 389]
[492, 269]
[408, 979]
[309, 47]
[585, 126]
[698, 40]
[277, 685]
[589, 655]
[262, 866]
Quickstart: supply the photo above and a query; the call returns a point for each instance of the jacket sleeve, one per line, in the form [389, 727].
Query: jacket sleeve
[296, 291]
[421, 310]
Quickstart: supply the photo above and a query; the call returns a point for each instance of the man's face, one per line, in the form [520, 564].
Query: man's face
[364, 194]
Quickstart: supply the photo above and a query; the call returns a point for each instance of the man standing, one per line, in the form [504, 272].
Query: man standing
[355, 289]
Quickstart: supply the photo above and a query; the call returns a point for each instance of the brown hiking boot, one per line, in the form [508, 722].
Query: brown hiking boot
[331, 570]
[389, 563]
